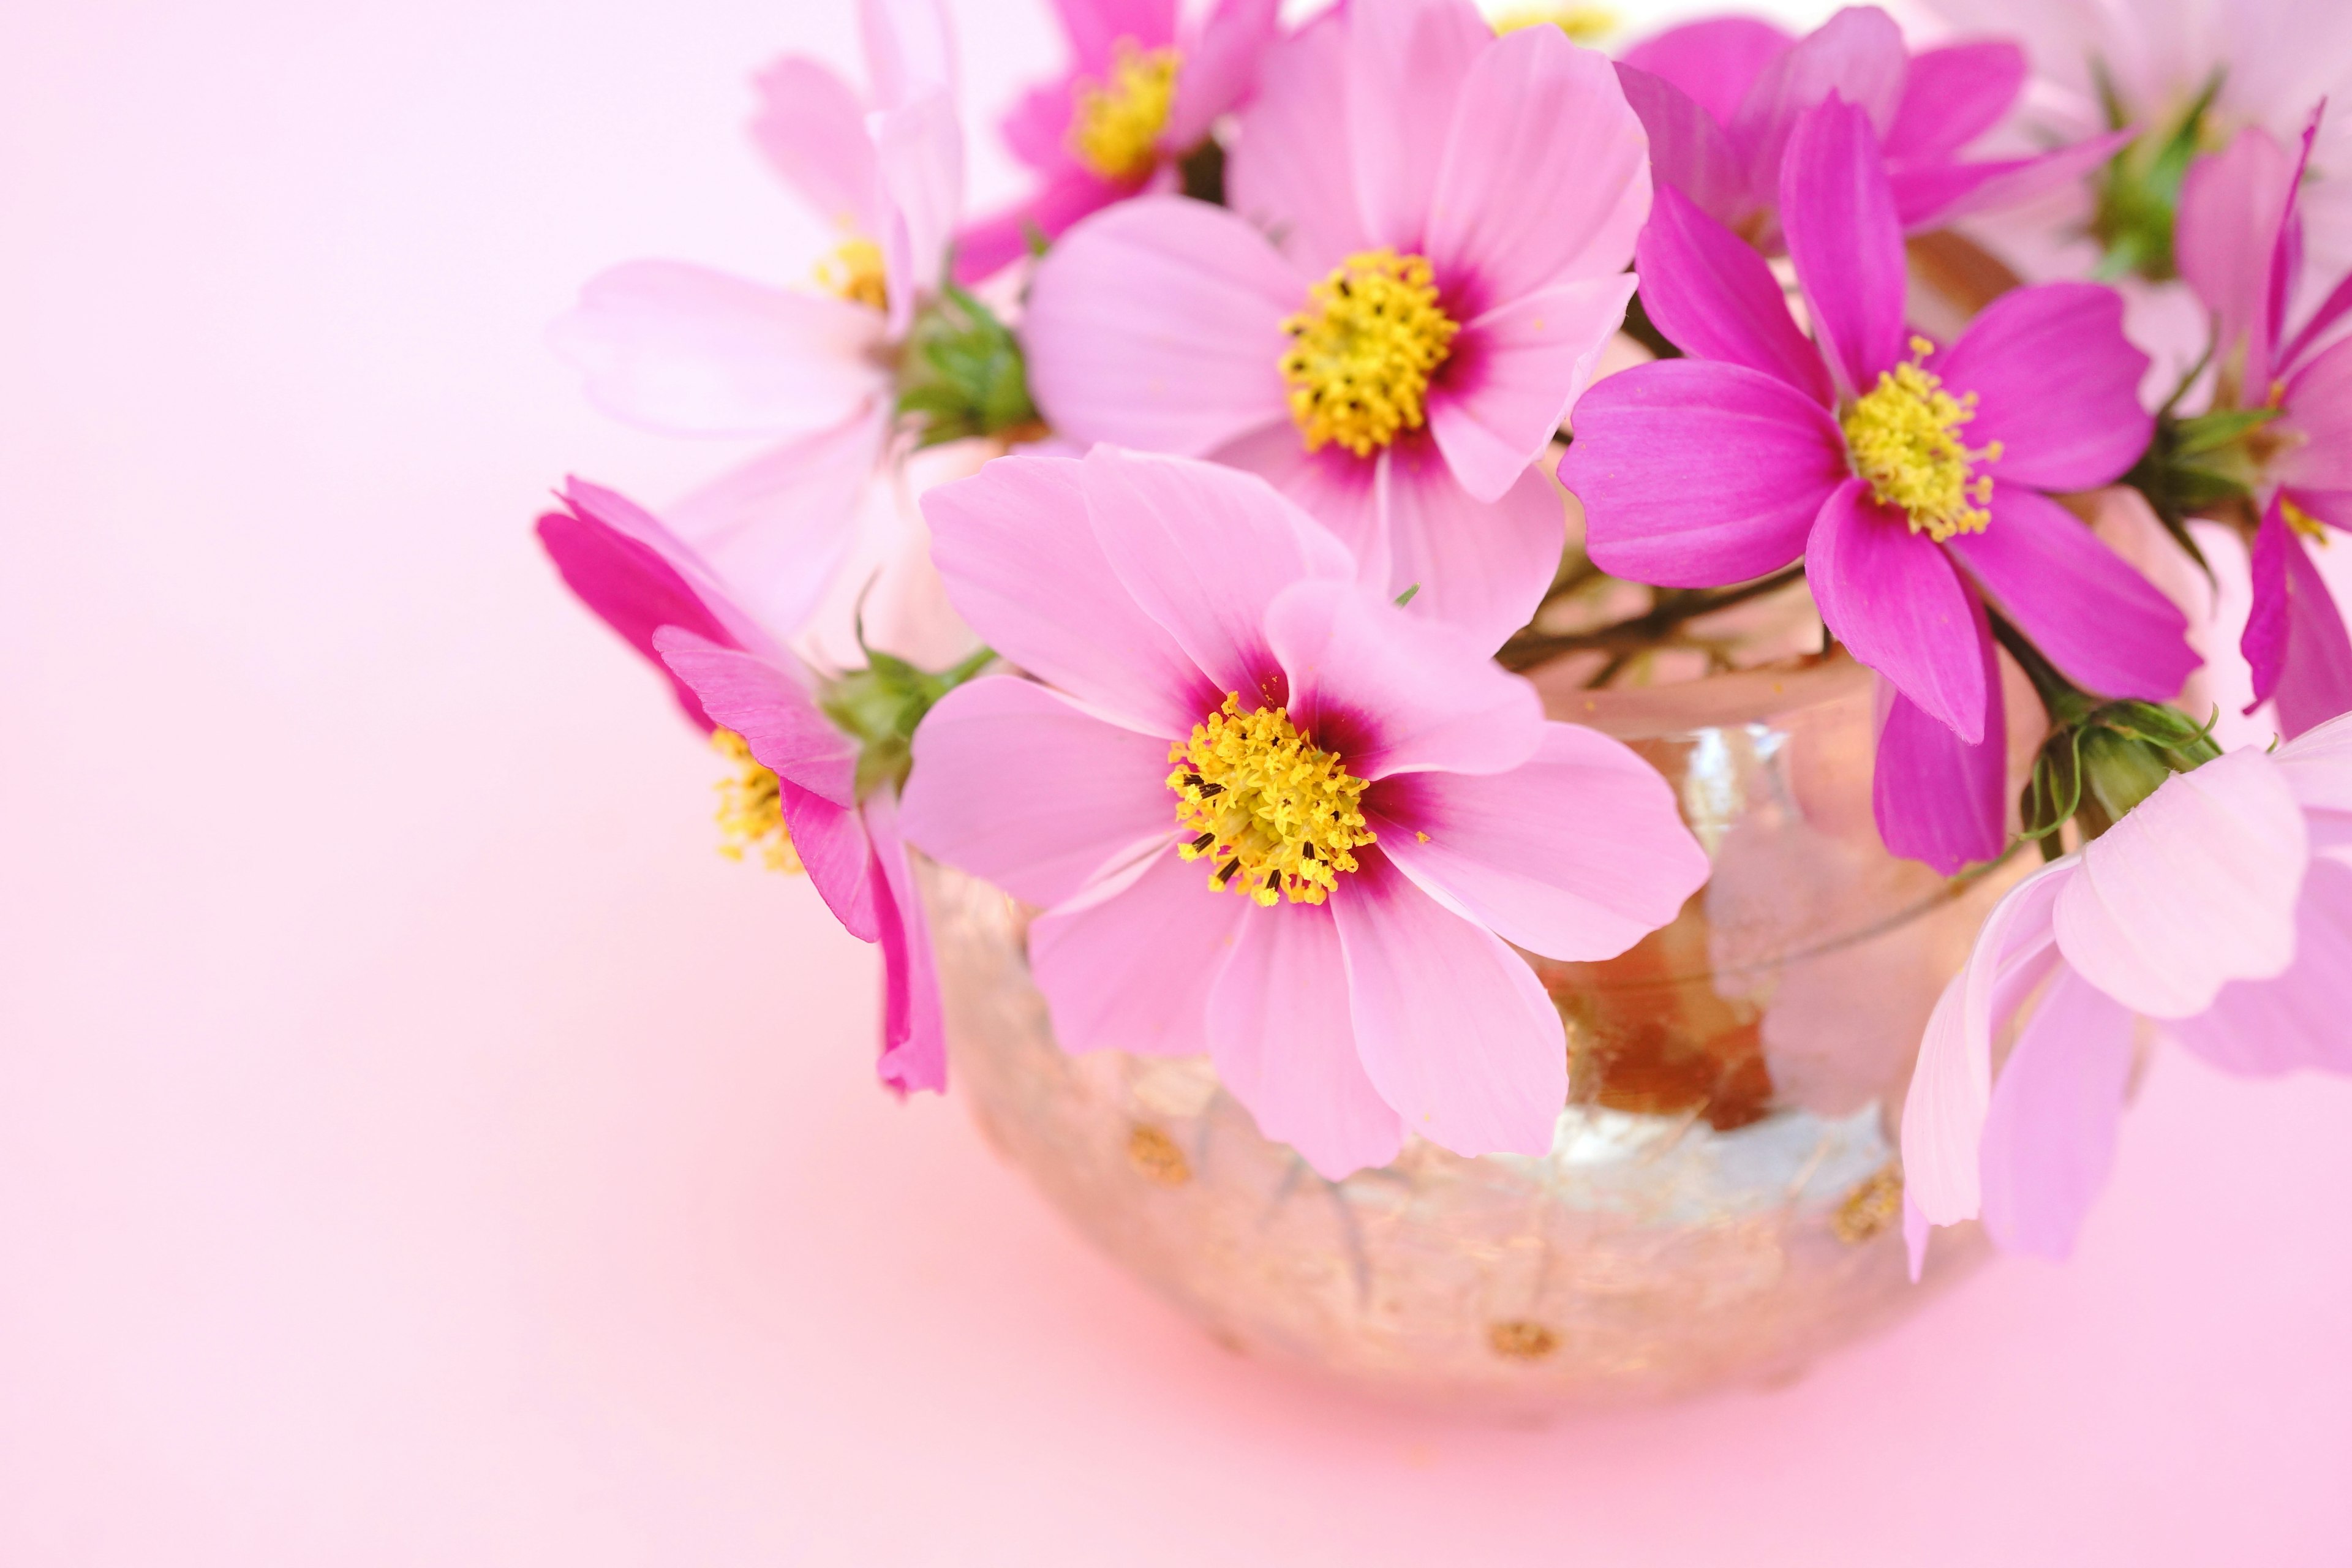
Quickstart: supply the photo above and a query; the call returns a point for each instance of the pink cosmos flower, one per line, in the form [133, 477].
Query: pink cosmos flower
[2221, 904]
[2240, 245]
[2145, 63]
[1912, 483]
[682, 350]
[1719, 98]
[1424, 258]
[729, 673]
[1142, 91]
[1271, 816]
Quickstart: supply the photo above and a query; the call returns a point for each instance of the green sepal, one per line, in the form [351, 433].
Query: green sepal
[962, 374]
[880, 706]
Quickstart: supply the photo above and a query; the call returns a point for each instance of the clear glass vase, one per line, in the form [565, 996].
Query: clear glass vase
[1722, 1199]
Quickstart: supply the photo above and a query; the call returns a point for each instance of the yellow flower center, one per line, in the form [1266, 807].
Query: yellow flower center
[1277, 816]
[752, 808]
[1363, 351]
[2302, 522]
[853, 272]
[1582, 24]
[1904, 436]
[1114, 126]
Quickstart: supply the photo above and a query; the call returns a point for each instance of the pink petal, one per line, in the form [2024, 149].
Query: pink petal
[2050, 1134]
[1286, 1045]
[689, 352]
[632, 587]
[2195, 888]
[769, 708]
[1694, 474]
[2261, 1028]
[2231, 206]
[2294, 638]
[1893, 598]
[833, 850]
[1688, 150]
[1157, 324]
[2318, 765]
[2108, 628]
[1345, 493]
[1576, 854]
[1714, 296]
[2057, 383]
[1453, 1028]
[2318, 399]
[986, 246]
[1481, 567]
[1714, 61]
[781, 524]
[1292, 173]
[1936, 797]
[1020, 785]
[1133, 972]
[811, 127]
[1845, 240]
[1096, 27]
[1953, 95]
[1220, 70]
[1394, 693]
[1205, 550]
[1514, 373]
[1038, 126]
[1407, 63]
[909, 49]
[1544, 178]
[1016, 547]
[918, 150]
[914, 1029]
[1930, 196]
[1944, 1114]
[1856, 55]
[815, 762]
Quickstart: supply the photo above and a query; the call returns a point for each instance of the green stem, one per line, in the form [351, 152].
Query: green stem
[1527, 650]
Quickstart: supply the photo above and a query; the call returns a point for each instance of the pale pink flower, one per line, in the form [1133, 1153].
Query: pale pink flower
[1425, 258]
[727, 670]
[2273, 59]
[2221, 905]
[1142, 89]
[683, 350]
[1271, 816]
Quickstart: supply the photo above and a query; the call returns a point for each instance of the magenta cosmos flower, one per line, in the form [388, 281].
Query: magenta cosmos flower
[1271, 816]
[2221, 905]
[1912, 479]
[1141, 90]
[1719, 98]
[800, 783]
[685, 350]
[2240, 245]
[1424, 258]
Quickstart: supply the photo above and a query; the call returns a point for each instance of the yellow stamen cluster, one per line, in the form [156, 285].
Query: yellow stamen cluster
[1277, 816]
[1582, 24]
[2302, 522]
[1362, 352]
[853, 272]
[752, 808]
[1904, 437]
[1114, 126]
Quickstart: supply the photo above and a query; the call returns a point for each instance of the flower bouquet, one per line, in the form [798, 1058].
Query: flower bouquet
[1518, 713]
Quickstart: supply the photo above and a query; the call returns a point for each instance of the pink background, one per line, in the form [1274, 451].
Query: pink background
[417, 1146]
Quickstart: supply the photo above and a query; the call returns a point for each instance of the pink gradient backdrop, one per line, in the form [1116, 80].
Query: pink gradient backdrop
[415, 1146]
